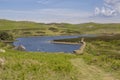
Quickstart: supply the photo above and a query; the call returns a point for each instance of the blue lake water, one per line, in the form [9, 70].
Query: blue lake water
[43, 44]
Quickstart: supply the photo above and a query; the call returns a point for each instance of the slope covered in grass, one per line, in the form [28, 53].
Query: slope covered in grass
[90, 72]
[36, 66]
[25, 28]
[45, 66]
[100, 61]
[101, 51]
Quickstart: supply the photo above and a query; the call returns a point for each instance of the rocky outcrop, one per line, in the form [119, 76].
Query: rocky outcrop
[20, 48]
[2, 51]
[2, 62]
[82, 47]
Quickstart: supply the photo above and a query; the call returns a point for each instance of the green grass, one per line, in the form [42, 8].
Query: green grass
[105, 55]
[49, 66]
[106, 38]
[102, 51]
[25, 28]
[100, 61]
[90, 72]
[36, 66]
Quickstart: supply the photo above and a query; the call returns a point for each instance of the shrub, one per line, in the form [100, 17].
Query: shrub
[53, 29]
[5, 36]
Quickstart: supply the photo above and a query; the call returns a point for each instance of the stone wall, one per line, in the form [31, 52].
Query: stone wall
[82, 47]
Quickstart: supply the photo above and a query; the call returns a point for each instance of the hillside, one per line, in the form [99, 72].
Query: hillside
[26, 28]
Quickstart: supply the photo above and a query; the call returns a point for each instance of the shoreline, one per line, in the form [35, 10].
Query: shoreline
[4, 41]
[55, 42]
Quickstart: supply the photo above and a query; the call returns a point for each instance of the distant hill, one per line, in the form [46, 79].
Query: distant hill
[33, 28]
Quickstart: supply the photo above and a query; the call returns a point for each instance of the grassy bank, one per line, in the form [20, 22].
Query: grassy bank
[25, 28]
[57, 66]
[101, 61]
[106, 38]
[102, 51]
[105, 55]
[36, 66]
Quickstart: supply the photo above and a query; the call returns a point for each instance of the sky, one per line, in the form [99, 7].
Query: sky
[61, 11]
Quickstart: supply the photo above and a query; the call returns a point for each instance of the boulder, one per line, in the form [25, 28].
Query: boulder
[2, 61]
[2, 51]
[20, 48]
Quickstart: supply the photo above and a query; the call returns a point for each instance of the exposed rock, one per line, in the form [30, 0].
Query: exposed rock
[2, 62]
[2, 50]
[20, 48]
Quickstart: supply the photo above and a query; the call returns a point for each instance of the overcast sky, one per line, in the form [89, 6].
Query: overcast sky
[67, 11]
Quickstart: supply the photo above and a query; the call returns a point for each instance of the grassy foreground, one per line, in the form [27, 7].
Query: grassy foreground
[101, 61]
[36, 66]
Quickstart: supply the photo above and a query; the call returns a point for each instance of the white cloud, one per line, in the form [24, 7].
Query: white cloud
[46, 15]
[43, 1]
[110, 8]
[51, 12]
[114, 3]
[104, 11]
[97, 11]
[56, 15]
[66, 13]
